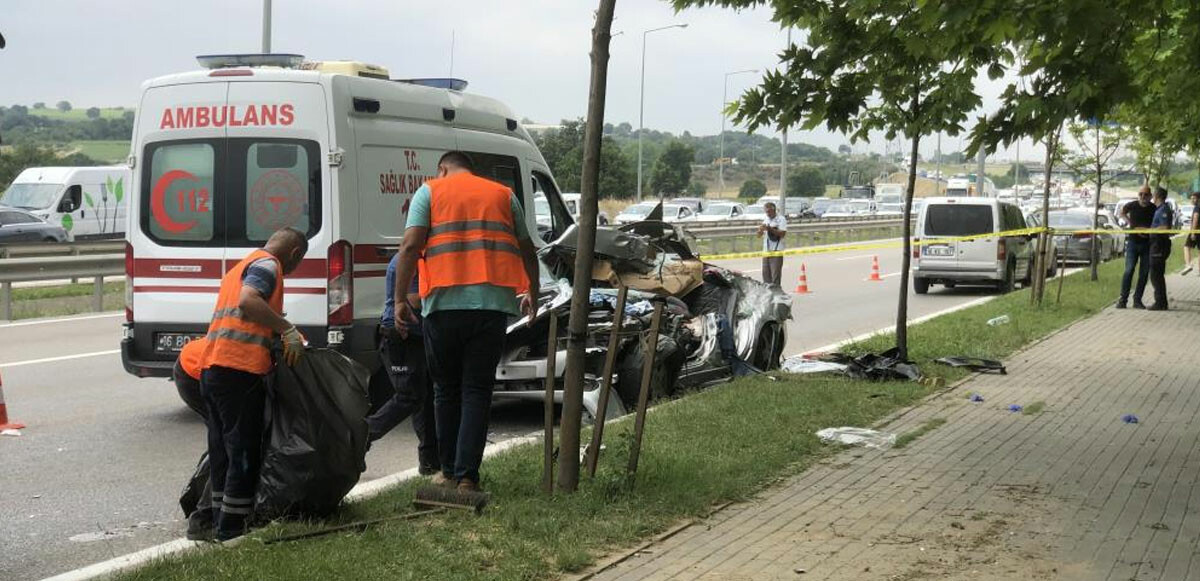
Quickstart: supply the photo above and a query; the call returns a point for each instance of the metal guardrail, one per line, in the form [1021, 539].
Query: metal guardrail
[745, 232]
[39, 268]
[62, 248]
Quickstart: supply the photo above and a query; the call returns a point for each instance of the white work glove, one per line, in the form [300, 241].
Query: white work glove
[293, 345]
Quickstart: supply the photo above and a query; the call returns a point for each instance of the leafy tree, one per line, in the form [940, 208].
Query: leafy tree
[63, 106]
[876, 65]
[1018, 172]
[563, 150]
[93, 113]
[672, 170]
[845, 149]
[752, 188]
[697, 190]
[39, 105]
[807, 182]
[1096, 145]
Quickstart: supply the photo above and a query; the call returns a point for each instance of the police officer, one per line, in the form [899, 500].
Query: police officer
[1160, 248]
[248, 315]
[476, 258]
[402, 365]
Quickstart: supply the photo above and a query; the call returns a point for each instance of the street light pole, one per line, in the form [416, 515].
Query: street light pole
[266, 27]
[724, 103]
[783, 149]
[642, 103]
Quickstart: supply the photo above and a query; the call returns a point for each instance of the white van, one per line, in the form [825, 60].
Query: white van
[987, 260]
[224, 157]
[88, 202]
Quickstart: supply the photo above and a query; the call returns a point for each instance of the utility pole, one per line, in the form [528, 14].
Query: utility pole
[937, 172]
[783, 148]
[724, 103]
[266, 27]
[979, 169]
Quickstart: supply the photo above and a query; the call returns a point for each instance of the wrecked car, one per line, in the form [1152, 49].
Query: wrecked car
[717, 323]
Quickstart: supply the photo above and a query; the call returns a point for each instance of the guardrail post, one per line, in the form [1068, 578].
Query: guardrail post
[74, 252]
[98, 294]
[6, 299]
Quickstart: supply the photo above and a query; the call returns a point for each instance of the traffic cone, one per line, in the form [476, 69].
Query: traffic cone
[874, 269]
[802, 286]
[4, 423]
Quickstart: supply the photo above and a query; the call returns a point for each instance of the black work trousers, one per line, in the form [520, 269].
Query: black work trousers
[235, 401]
[402, 364]
[463, 349]
[1160, 251]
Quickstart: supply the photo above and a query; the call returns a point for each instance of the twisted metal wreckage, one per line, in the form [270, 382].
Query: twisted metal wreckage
[717, 323]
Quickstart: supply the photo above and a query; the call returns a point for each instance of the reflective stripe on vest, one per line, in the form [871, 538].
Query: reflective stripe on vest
[472, 236]
[234, 341]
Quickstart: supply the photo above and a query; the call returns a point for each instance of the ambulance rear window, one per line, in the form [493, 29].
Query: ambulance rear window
[229, 192]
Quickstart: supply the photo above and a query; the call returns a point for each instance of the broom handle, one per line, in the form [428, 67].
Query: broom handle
[593, 457]
[644, 394]
[548, 406]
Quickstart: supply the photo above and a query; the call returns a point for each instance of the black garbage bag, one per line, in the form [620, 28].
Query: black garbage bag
[317, 435]
[197, 493]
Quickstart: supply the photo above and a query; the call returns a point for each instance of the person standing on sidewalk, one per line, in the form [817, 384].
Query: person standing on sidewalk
[247, 318]
[402, 365]
[1160, 248]
[1191, 240]
[772, 230]
[1138, 214]
[476, 258]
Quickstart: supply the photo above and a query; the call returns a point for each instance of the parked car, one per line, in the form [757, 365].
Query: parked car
[21, 226]
[1077, 247]
[917, 204]
[756, 211]
[820, 205]
[850, 209]
[890, 210]
[998, 261]
[722, 212]
[676, 213]
[1034, 220]
[791, 208]
[696, 205]
[635, 213]
[572, 201]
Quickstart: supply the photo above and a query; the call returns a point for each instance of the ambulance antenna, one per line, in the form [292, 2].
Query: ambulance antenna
[451, 52]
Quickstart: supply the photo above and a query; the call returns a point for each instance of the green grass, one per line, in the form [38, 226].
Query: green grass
[102, 150]
[720, 445]
[63, 300]
[77, 113]
[909, 437]
[1034, 408]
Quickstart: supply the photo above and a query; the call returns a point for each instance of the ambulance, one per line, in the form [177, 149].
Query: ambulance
[224, 156]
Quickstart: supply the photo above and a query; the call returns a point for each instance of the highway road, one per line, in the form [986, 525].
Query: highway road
[98, 470]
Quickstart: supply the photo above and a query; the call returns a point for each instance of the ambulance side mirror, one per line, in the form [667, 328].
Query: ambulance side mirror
[72, 200]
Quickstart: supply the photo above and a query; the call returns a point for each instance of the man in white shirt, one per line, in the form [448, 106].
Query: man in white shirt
[774, 227]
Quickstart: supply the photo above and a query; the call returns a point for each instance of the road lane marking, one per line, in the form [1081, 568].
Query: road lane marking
[889, 275]
[60, 320]
[59, 358]
[854, 257]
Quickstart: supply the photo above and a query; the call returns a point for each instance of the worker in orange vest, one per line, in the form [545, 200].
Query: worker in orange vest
[187, 375]
[248, 316]
[476, 259]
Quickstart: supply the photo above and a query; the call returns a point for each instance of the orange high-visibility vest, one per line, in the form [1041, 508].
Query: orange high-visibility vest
[192, 356]
[472, 236]
[233, 341]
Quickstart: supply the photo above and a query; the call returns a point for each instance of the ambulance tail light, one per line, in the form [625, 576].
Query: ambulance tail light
[916, 248]
[341, 283]
[1001, 249]
[128, 282]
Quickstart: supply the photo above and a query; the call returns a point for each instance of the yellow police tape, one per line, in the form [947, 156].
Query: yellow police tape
[939, 240]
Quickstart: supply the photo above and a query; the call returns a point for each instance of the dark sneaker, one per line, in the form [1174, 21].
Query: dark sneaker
[1120, 305]
[1156, 307]
[1139, 305]
[428, 469]
[468, 485]
[200, 526]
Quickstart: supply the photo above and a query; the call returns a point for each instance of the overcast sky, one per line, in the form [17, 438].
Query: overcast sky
[531, 54]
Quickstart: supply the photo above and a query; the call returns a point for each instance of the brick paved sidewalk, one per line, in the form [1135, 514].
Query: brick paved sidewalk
[1072, 492]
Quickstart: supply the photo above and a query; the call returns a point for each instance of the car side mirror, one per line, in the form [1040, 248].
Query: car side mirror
[72, 200]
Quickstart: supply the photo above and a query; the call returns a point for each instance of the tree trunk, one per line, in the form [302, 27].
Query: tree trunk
[572, 413]
[1051, 145]
[1095, 258]
[906, 259]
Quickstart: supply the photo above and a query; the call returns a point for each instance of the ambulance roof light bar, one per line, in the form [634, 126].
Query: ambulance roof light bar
[438, 83]
[224, 61]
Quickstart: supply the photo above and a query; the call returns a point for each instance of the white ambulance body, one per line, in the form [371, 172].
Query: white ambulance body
[223, 157]
[88, 202]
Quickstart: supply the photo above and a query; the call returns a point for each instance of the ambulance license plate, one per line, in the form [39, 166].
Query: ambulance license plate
[939, 250]
[172, 342]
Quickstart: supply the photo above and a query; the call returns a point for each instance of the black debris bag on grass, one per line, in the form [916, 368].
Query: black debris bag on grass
[316, 443]
[884, 366]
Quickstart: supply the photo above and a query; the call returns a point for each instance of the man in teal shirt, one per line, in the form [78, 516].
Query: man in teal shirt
[477, 255]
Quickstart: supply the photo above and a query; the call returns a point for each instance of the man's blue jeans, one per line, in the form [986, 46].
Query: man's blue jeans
[463, 349]
[1136, 252]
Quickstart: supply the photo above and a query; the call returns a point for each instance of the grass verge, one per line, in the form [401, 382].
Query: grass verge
[723, 444]
[63, 300]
